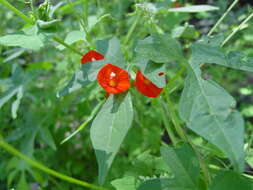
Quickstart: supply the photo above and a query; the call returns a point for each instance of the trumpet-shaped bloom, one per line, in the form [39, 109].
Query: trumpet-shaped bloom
[113, 79]
[90, 56]
[146, 87]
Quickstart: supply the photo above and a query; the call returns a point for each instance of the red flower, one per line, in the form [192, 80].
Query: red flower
[177, 5]
[91, 56]
[146, 87]
[113, 79]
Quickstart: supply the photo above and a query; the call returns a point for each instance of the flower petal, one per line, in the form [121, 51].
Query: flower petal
[90, 56]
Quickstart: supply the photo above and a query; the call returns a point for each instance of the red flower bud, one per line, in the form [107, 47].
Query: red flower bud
[113, 79]
[91, 56]
[177, 5]
[146, 87]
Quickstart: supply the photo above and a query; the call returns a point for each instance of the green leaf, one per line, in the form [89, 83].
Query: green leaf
[230, 179]
[16, 103]
[94, 20]
[186, 31]
[82, 77]
[237, 60]
[126, 183]
[208, 110]
[48, 24]
[186, 171]
[208, 50]
[194, 9]
[160, 49]
[151, 70]
[72, 37]
[114, 54]
[159, 184]
[102, 46]
[5, 97]
[21, 40]
[22, 184]
[109, 129]
[47, 137]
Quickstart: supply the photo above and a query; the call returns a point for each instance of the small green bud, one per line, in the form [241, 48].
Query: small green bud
[43, 10]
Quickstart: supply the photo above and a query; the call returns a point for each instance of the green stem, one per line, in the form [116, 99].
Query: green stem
[39, 166]
[84, 124]
[237, 29]
[222, 17]
[167, 124]
[66, 45]
[173, 80]
[33, 9]
[131, 30]
[19, 13]
[175, 119]
[202, 164]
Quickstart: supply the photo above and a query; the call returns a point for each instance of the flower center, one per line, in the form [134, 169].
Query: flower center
[112, 83]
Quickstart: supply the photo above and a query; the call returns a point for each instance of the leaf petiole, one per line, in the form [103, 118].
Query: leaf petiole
[84, 124]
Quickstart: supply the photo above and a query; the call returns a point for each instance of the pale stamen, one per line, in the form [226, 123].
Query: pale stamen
[112, 75]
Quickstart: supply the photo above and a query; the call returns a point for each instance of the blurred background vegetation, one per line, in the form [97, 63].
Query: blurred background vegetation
[35, 121]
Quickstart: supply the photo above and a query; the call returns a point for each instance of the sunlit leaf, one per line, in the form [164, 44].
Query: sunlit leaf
[16, 103]
[21, 40]
[8, 95]
[194, 9]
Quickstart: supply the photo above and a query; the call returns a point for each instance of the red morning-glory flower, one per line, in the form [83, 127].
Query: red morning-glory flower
[146, 87]
[113, 79]
[177, 5]
[90, 56]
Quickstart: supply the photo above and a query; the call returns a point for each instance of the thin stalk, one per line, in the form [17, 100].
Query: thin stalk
[66, 45]
[84, 124]
[237, 29]
[173, 80]
[167, 125]
[175, 119]
[17, 12]
[131, 30]
[41, 167]
[222, 17]
[202, 164]
[33, 9]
